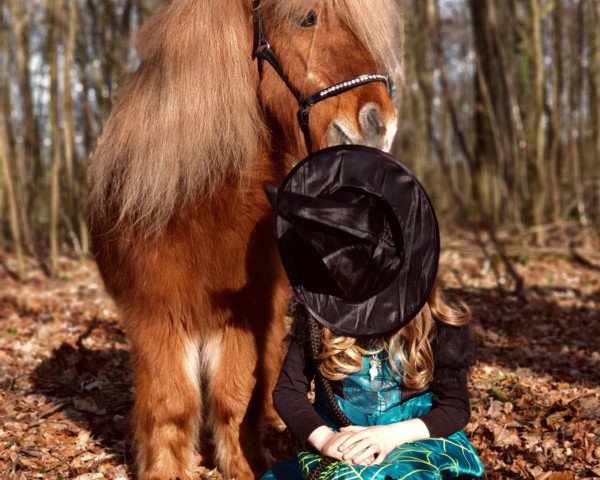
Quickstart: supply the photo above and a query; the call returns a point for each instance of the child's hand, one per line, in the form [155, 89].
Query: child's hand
[327, 442]
[370, 445]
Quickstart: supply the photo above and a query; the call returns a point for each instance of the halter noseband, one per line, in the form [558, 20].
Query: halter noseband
[262, 51]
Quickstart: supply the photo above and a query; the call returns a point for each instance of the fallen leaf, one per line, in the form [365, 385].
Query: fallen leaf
[556, 476]
[89, 405]
[554, 420]
[587, 406]
[495, 409]
[505, 438]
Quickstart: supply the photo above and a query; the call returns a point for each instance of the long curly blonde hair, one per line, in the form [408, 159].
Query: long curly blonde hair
[341, 356]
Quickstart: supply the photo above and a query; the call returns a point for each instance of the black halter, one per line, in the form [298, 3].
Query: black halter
[262, 51]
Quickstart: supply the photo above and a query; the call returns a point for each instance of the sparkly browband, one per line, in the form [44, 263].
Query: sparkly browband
[346, 85]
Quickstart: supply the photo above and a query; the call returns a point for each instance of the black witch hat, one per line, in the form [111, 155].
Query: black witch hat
[358, 239]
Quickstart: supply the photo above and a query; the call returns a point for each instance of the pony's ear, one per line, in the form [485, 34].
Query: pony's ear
[186, 121]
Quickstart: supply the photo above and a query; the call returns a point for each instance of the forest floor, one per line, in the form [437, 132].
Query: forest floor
[66, 389]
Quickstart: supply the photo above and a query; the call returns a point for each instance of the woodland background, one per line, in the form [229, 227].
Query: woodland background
[500, 119]
[500, 114]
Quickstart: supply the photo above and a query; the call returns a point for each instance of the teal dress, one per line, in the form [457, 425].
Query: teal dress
[372, 396]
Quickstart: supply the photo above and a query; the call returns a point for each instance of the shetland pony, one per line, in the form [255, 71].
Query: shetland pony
[180, 225]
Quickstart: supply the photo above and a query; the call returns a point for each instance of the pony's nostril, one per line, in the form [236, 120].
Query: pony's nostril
[339, 136]
[370, 120]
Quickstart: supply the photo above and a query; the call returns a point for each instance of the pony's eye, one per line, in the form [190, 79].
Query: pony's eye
[310, 20]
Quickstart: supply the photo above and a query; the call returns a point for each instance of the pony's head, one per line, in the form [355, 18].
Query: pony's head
[197, 113]
[321, 43]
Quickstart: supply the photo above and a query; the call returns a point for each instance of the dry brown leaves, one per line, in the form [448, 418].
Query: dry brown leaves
[66, 389]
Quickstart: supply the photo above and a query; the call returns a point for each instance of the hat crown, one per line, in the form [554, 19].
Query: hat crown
[349, 235]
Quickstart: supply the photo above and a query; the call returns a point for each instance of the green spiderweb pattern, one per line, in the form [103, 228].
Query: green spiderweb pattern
[434, 458]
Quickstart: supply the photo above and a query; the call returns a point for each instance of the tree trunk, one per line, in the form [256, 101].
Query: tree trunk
[54, 10]
[537, 142]
[8, 181]
[576, 92]
[29, 170]
[412, 142]
[595, 103]
[20, 16]
[90, 129]
[69, 118]
[9, 188]
[556, 120]
[496, 152]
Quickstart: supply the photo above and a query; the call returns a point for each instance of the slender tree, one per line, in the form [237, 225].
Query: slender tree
[29, 168]
[595, 105]
[7, 176]
[496, 152]
[556, 118]
[7, 150]
[54, 12]
[21, 15]
[537, 136]
[576, 117]
[7, 179]
[70, 27]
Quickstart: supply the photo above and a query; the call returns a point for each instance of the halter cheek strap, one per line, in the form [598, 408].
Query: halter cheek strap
[262, 51]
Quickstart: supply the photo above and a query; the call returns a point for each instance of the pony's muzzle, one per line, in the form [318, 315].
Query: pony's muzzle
[372, 129]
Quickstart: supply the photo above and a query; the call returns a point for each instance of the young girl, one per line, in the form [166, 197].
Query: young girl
[359, 242]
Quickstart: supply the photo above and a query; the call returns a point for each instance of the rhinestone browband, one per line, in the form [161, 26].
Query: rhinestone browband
[367, 78]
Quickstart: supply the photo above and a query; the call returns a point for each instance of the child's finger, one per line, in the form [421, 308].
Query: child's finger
[362, 458]
[369, 461]
[357, 449]
[380, 457]
[339, 438]
[352, 428]
[332, 450]
[352, 439]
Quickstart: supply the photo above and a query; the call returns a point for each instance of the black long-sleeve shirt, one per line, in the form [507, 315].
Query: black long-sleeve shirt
[450, 412]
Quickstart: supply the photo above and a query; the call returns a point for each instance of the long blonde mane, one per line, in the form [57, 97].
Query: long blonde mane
[189, 118]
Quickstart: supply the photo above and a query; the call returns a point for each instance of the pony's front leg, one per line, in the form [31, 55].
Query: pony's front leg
[166, 418]
[238, 389]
